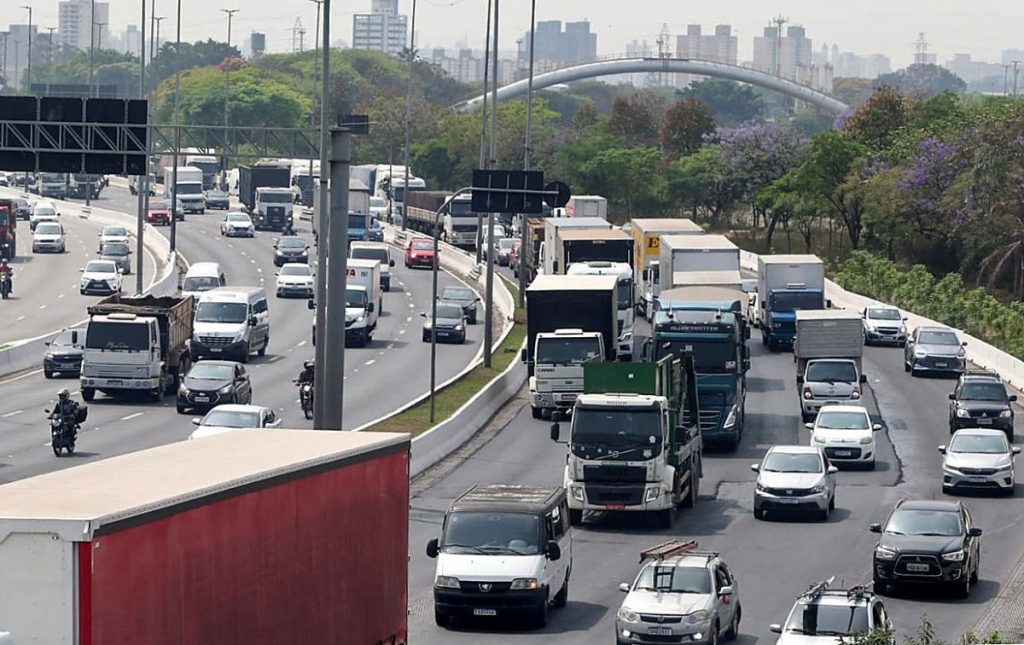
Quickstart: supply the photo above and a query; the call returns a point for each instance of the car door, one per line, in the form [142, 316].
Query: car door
[556, 570]
[263, 319]
[973, 543]
[243, 387]
[725, 607]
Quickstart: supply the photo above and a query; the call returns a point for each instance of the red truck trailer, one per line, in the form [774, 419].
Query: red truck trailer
[252, 536]
[8, 224]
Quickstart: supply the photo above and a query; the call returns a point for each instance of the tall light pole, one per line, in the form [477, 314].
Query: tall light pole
[28, 72]
[173, 188]
[408, 114]
[7, 78]
[483, 125]
[99, 34]
[320, 407]
[152, 30]
[143, 192]
[489, 296]
[49, 60]
[92, 87]
[157, 20]
[227, 94]
[524, 225]
[312, 103]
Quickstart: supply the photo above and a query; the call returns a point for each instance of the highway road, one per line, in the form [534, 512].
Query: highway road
[381, 377]
[46, 285]
[774, 560]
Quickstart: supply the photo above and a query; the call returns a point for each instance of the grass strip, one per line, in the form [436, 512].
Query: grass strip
[416, 420]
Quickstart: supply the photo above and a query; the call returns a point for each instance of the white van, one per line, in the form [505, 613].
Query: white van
[379, 251]
[230, 323]
[361, 317]
[505, 551]
[202, 276]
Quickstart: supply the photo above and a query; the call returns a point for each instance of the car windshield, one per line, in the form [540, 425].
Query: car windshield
[979, 391]
[670, 579]
[925, 522]
[190, 189]
[831, 372]
[100, 267]
[561, 351]
[221, 312]
[988, 444]
[301, 269]
[603, 431]
[231, 419]
[836, 420]
[369, 253]
[814, 619]
[449, 311]
[45, 210]
[423, 245]
[212, 371]
[291, 243]
[357, 220]
[200, 283]
[711, 356]
[788, 302]
[238, 217]
[115, 249]
[884, 313]
[355, 298]
[117, 336]
[492, 533]
[937, 338]
[159, 204]
[216, 194]
[506, 243]
[791, 462]
[378, 202]
[457, 293]
[48, 229]
[115, 231]
[65, 338]
[275, 198]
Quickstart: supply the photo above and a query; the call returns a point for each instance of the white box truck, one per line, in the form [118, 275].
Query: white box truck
[587, 206]
[828, 349]
[647, 235]
[363, 300]
[189, 188]
[549, 255]
[695, 254]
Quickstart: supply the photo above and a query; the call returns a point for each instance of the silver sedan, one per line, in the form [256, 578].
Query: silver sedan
[979, 459]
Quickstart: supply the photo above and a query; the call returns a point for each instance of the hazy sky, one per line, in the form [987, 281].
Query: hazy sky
[981, 27]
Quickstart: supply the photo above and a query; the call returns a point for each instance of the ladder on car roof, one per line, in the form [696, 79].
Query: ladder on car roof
[668, 549]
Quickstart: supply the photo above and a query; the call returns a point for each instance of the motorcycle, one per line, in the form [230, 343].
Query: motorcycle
[64, 430]
[5, 286]
[306, 398]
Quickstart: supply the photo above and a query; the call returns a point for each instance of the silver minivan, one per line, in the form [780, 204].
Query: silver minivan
[201, 277]
[230, 323]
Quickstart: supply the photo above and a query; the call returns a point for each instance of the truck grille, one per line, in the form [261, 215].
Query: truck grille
[214, 341]
[112, 371]
[614, 473]
[494, 587]
[933, 565]
[566, 387]
[630, 495]
[709, 419]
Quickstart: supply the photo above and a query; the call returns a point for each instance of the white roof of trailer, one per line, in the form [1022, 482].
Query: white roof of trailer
[697, 242]
[573, 282]
[666, 226]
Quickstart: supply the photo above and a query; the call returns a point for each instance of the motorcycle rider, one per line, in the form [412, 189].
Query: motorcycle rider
[66, 409]
[307, 373]
[7, 273]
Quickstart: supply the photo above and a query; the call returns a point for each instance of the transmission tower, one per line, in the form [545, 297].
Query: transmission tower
[298, 36]
[921, 50]
[779, 21]
[664, 51]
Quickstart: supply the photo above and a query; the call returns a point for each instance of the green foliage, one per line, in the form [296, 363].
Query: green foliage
[635, 118]
[923, 81]
[875, 123]
[731, 103]
[199, 54]
[627, 176]
[853, 91]
[684, 127]
[109, 68]
[946, 300]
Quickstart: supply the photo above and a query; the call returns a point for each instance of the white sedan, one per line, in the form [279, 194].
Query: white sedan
[295, 279]
[229, 417]
[42, 211]
[237, 225]
[100, 276]
[113, 234]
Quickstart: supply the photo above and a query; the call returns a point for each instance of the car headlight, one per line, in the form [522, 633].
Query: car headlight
[184, 391]
[224, 390]
[819, 439]
[760, 488]
[699, 616]
[954, 556]
[627, 615]
[525, 583]
[1006, 414]
[820, 488]
[885, 553]
[447, 582]
[919, 353]
[855, 394]
[361, 318]
[963, 413]
[807, 393]
[730, 420]
[962, 353]
[1005, 468]
[576, 492]
[652, 494]
[458, 327]
[866, 440]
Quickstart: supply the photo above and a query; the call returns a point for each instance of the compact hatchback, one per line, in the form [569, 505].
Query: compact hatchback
[846, 434]
[978, 459]
[419, 253]
[229, 417]
[48, 238]
[795, 478]
[465, 298]
[451, 324]
[211, 383]
[237, 225]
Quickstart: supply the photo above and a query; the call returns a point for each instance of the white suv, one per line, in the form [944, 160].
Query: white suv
[823, 615]
[846, 434]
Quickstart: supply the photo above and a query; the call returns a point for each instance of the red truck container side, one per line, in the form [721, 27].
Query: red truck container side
[250, 537]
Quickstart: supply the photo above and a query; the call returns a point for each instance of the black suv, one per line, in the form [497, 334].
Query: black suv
[980, 401]
[927, 543]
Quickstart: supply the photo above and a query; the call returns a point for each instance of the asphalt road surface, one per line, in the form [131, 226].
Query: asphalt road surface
[774, 560]
[391, 371]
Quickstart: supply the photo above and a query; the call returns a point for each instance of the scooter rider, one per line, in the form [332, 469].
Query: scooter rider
[66, 409]
[307, 373]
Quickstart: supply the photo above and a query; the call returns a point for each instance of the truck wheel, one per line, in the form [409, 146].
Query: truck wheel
[440, 619]
[575, 516]
[156, 395]
[263, 350]
[694, 491]
[48, 373]
[88, 394]
[538, 413]
[244, 354]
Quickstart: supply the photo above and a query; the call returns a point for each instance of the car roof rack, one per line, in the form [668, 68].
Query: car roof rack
[672, 548]
[858, 592]
[982, 372]
[818, 588]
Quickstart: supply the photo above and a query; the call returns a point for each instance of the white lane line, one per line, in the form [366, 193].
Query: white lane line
[301, 343]
[42, 307]
[411, 305]
[391, 346]
[408, 319]
[244, 253]
[10, 414]
[252, 260]
[60, 296]
[401, 331]
[370, 362]
[20, 318]
[131, 416]
[274, 359]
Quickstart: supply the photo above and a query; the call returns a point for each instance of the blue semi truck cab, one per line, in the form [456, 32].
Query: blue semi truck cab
[785, 285]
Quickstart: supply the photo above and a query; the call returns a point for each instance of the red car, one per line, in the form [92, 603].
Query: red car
[159, 212]
[513, 256]
[419, 253]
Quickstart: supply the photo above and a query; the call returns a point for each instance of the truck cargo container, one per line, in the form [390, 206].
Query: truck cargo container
[359, 218]
[8, 229]
[531, 250]
[136, 344]
[208, 165]
[697, 254]
[551, 256]
[785, 284]
[458, 223]
[587, 206]
[251, 536]
[646, 254]
[827, 351]
[270, 208]
[189, 188]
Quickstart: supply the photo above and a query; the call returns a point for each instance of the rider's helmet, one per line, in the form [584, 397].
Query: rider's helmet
[308, 364]
[63, 394]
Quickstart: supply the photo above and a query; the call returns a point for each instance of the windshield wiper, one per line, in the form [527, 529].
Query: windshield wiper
[934, 534]
[475, 549]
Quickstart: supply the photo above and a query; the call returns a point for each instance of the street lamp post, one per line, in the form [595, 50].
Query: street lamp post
[157, 20]
[312, 103]
[28, 71]
[489, 295]
[323, 356]
[49, 60]
[227, 94]
[99, 34]
[483, 125]
[408, 115]
[7, 78]
[527, 150]
[177, 133]
[143, 192]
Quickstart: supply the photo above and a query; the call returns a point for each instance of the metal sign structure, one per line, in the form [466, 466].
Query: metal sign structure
[508, 191]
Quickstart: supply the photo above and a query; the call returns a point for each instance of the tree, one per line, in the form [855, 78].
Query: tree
[628, 177]
[700, 185]
[199, 54]
[810, 122]
[923, 81]
[832, 173]
[109, 68]
[853, 91]
[875, 122]
[730, 102]
[684, 127]
[635, 118]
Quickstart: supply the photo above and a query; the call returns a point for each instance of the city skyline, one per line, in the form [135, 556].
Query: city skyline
[871, 26]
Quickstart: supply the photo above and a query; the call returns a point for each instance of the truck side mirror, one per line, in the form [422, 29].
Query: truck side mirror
[1012, 397]
[523, 355]
[799, 378]
[875, 528]
[369, 307]
[746, 333]
[252, 321]
[311, 304]
[863, 378]
[553, 551]
[391, 263]
[74, 341]
[746, 364]
[828, 304]
[555, 431]
[952, 396]
[432, 548]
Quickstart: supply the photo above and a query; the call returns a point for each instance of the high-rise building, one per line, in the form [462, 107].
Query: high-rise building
[789, 55]
[74, 18]
[383, 29]
[131, 40]
[574, 45]
[720, 47]
[973, 71]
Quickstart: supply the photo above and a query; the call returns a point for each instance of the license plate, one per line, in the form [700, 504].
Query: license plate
[941, 364]
[615, 507]
[985, 422]
[485, 612]
[976, 480]
[659, 631]
[915, 567]
[844, 453]
[566, 397]
[202, 399]
[115, 381]
[215, 350]
[788, 500]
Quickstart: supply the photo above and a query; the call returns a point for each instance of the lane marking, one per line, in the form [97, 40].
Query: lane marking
[409, 319]
[276, 358]
[60, 296]
[371, 361]
[132, 416]
[41, 307]
[20, 318]
[301, 343]
[10, 414]
[401, 331]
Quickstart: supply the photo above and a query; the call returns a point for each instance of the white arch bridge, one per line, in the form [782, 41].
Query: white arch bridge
[634, 65]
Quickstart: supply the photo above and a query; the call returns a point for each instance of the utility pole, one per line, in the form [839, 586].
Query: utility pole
[99, 34]
[527, 150]
[227, 94]
[7, 78]
[157, 20]
[143, 192]
[28, 71]
[173, 188]
[92, 90]
[323, 356]
[152, 30]
[483, 127]
[312, 103]
[49, 60]
[779, 22]
[1016, 75]
[489, 296]
[408, 116]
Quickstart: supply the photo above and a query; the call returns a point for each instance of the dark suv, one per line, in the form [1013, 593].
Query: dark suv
[980, 401]
[927, 543]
